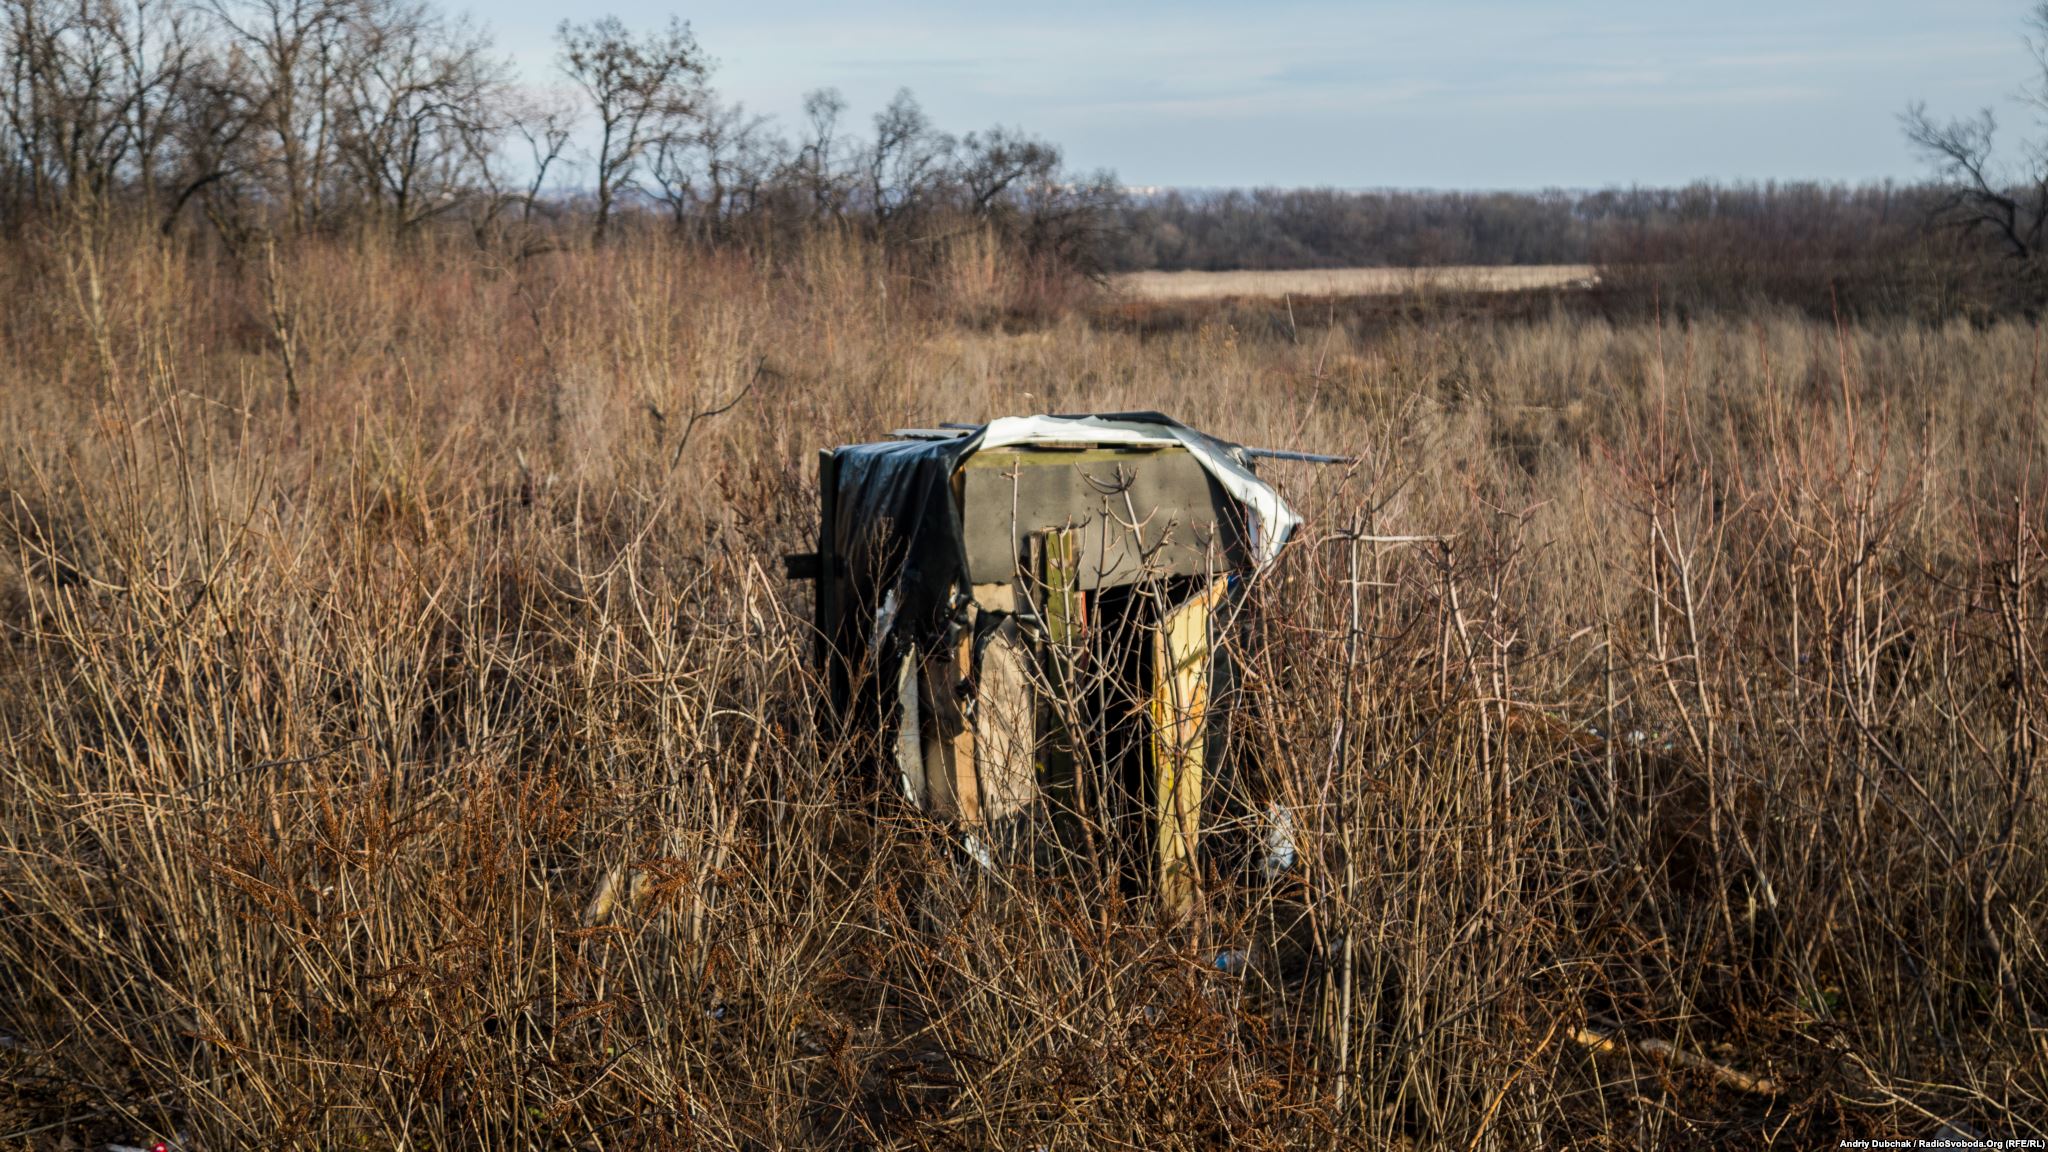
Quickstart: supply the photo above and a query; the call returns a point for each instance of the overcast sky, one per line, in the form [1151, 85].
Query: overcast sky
[1416, 93]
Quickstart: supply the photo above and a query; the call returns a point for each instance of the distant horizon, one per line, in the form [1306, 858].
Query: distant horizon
[1922, 180]
[1476, 95]
[560, 191]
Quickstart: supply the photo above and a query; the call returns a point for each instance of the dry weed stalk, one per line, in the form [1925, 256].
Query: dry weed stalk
[1710, 707]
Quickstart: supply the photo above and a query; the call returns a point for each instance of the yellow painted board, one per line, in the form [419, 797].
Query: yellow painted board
[1065, 609]
[1180, 701]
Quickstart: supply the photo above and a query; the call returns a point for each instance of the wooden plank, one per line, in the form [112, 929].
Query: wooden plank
[1054, 557]
[950, 782]
[910, 731]
[1005, 728]
[1005, 710]
[1180, 701]
[1057, 566]
[995, 597]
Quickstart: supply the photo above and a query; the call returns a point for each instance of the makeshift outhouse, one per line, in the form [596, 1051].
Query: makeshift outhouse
[1031, 617]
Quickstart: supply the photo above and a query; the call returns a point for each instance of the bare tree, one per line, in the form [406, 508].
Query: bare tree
[816, 169]
[1984, 196]
[641, 89]
[87, 103]
[294, 45]
[909, 163]
[212, 120]
[419, 111]
[1068, 221]
[1019, 184]
[995, 162]
[1981, 196]
[544, 126]
[715, 171]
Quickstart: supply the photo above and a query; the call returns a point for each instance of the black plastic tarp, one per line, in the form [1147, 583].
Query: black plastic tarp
[898, 531]
[898, 535]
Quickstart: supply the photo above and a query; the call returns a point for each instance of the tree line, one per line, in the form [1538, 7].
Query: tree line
[245, 120]
[1317, 228]
[240, 118]
[1879, 247]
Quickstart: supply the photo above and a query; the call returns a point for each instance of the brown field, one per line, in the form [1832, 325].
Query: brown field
[1351, 281]
[366, 608]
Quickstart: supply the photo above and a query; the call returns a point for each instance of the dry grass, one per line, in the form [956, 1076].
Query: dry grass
[1351, 281]
[321, 722]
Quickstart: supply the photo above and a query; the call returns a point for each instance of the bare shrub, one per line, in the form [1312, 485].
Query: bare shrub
[440, 763]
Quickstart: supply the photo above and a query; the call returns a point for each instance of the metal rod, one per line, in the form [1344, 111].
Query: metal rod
[1304, 457]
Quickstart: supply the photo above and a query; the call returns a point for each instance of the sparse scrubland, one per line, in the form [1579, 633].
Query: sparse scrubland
[367, 606]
